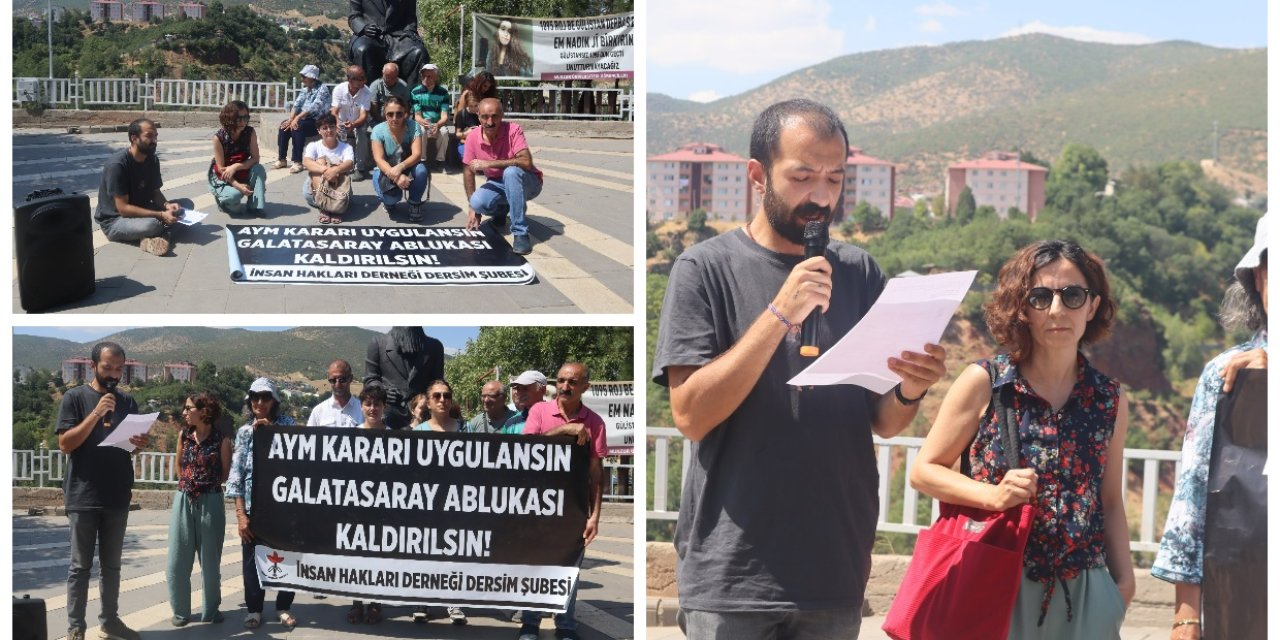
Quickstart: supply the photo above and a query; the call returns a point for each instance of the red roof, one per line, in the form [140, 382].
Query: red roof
[857, 157]
[983, 163]
[688, 153]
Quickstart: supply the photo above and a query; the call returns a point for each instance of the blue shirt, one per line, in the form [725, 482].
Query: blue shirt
[240, 480]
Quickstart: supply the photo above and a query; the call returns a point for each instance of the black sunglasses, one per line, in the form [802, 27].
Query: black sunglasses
[1073, 297]
[438, 395]
[340, 380]
[393, 114]
[261, 395]
[243, 118]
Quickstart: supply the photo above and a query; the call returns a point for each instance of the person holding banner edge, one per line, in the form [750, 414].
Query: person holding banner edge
[264, 408]
[726, 348]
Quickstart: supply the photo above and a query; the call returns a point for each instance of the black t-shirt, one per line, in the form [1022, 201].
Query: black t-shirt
[97, 477]
[123, 176]
[780, 502]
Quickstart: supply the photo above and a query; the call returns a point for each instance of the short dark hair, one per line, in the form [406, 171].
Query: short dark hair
[389, 100]
[96, 353]
[135, 128]
[326, 119]
[373, 392]
[1006, 313]
[205, 400]
[767, 132]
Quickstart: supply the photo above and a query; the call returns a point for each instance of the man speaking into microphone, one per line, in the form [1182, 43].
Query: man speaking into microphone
[779, 509]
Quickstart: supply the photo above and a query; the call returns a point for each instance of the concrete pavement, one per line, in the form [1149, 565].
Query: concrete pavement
[582, 227]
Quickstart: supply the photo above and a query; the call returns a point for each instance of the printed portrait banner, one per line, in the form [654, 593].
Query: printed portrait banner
[417, 517]
[591, 48]
[616, 403]
[350, 254]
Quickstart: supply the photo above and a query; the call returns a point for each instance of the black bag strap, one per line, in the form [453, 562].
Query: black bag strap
[1001, 407]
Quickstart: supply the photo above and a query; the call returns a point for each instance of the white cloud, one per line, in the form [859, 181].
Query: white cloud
[1085, 34]
[756, 37]
[939, 9]
[870, 24]
[707, 95]
[931, 26]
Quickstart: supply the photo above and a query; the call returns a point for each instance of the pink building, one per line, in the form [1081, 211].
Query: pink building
[698, 175]
[180, 371]
[106, 10]
[193, 10]
[76, 370]
[145, 10]
[134, 371]
[870, 179]
[998, 179]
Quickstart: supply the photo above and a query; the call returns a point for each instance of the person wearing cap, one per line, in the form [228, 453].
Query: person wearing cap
[1180, 559]
[498, 150]
[386, 31]
[97, 488]
[312, 101]
[493, 398]
[263, 404]
[567, 416]
[351, 104]
[340, 409]
[431, 109]
[527, 389]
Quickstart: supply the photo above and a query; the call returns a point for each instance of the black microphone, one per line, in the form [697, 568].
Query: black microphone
[111, 388]
[815, 244]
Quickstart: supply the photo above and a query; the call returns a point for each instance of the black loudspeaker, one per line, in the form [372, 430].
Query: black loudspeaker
[54, 242]
[28, 619]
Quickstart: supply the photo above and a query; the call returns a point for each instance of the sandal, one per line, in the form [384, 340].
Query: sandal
[335, 219]
[325, 219]
[373, 613]
[287, 619]
[253, 621]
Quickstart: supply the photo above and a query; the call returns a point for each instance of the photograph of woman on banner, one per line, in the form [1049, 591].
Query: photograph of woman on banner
[263, 405]
[1077, 574]
[197, 525]
[507, 56]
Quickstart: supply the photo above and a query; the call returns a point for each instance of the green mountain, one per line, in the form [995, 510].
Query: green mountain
[924, 107]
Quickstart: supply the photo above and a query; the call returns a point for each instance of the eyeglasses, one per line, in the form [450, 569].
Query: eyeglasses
[262, 396]
[340, 380]
[1073, 297]
[573, 382]
[445, 396]
[393, 114]
[188, 408]
[243, 118]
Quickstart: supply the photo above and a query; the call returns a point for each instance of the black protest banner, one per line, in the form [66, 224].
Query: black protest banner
[351, 254]
[417, 517]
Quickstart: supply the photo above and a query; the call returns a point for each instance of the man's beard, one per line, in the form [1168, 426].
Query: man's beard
[409, 339]
[147, 150]
[790, 223]
[105, 382]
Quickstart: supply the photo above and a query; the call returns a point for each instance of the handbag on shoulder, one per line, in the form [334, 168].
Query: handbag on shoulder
[966, 569]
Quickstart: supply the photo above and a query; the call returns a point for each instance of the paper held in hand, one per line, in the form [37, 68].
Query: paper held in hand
[910, 312]
[134, 425]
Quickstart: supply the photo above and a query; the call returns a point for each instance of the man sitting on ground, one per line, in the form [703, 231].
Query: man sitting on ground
[498, 149]
[131, 207]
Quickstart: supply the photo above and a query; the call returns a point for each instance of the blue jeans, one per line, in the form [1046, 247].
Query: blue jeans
[516, 188]
[231, 200]
[106, 528]
[417, 186]
[306, 129]
[823, 624]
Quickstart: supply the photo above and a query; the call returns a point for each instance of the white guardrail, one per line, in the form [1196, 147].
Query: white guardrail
[544, 102]
[663, 438]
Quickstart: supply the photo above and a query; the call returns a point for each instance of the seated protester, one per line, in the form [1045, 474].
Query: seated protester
[235, 173]
[351, 101]
[131, 207]
[312, 102]
[431, 110]
[397, 152]
[482, 86]
[499, 151]
[381, 89]
[328, 162]
[373, 402]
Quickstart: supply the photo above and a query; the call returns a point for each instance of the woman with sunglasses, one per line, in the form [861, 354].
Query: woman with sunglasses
[264, 409]
[1077, 580]
[235, 173]
[198, 521]
[397, 154]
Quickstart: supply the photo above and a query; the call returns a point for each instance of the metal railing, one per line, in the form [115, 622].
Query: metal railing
[546, 103]
[661, 440]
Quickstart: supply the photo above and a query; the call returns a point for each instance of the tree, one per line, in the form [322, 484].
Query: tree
[868, 216]
[966, 206]
[697, 220]
[1081, 162]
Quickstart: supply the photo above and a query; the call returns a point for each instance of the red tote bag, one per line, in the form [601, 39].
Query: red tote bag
[966, 569]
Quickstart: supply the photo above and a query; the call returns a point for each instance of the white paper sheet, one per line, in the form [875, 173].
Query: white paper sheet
[129, 427]
[191, 217]
[910, 312]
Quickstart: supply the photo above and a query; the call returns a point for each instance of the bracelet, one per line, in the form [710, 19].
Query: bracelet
[791, 327]
[1183, 623]
[897, 392]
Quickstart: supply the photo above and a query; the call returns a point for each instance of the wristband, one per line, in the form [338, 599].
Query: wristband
[791, 328]
[1188, 621]
[897, 392]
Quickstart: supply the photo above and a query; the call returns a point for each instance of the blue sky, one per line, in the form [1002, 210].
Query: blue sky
[452, 337]
[708, 50]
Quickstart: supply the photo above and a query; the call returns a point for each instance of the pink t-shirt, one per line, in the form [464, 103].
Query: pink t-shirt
[509, 142]
[545, 416]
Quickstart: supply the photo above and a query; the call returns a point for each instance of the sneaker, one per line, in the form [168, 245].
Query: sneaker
[156, 246]
[420, 615]
[280, 164]
[521, 244]
[296, 167]
[457, 616]
[390, 208]
[179, 621]
[115, 629]
[75, 634]
[217, 618]
[528, 632]
[415, 212]
[566, 634]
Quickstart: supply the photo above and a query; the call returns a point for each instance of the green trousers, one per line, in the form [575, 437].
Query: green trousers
[197, 527]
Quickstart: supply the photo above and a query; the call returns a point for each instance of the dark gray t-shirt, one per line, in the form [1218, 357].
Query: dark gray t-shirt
[97, 477]
[137, 181]
[780, 503]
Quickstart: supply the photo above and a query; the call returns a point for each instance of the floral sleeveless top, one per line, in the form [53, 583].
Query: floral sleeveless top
[1068, 450]
[201, 464]
[233, 150]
